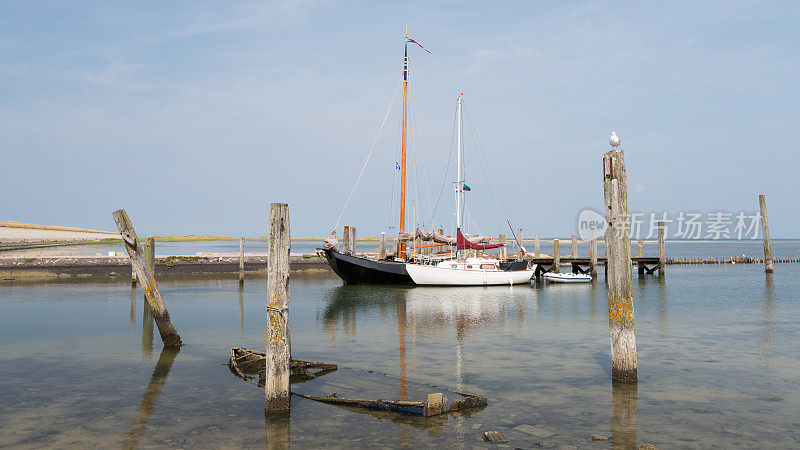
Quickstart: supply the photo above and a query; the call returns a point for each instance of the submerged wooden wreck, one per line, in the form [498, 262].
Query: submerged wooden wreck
[250, 365]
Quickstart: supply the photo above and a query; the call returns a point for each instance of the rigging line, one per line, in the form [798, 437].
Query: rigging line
[415, 118]
[447, 167]
[481, 152]
[369, 155]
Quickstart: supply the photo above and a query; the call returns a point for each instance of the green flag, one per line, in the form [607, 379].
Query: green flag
[467, 188]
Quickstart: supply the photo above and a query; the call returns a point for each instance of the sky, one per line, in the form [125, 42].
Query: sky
[194, 116]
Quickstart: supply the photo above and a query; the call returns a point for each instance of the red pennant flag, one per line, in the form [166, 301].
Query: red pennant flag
[420, 45]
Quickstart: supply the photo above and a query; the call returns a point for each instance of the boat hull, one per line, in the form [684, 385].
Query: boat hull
[355, 270]
[445, 276]
[564, 278]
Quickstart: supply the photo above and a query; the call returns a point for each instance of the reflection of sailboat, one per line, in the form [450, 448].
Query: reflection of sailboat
[151, 394]
[147, 329]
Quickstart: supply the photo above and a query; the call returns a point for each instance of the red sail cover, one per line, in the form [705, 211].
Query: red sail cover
[463, 244]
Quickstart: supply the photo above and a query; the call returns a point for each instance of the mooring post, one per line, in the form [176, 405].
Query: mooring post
[762, 202]
[574, 246]
[276, 388]
[640, 247]
[620, 285]
[346, 239]
[519, 243]
[556, 257]
[502, 240]
[241, 260]
[662, 250]
[169, 336]
[150, 254]
[353, 240]
[537, 250]
[382, 251]
[593, 257]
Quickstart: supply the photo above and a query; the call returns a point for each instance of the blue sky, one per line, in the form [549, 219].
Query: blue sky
[194, 116]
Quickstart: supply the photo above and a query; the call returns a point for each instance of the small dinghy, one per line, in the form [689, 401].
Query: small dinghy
[567, 277]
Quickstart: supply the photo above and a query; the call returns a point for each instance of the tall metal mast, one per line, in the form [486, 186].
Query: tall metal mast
[459, 180]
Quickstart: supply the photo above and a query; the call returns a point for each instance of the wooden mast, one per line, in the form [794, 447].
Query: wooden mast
[402, 246]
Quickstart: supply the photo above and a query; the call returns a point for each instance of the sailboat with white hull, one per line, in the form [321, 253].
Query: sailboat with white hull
[448, 269]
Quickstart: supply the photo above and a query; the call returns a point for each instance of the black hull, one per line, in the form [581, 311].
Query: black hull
[354, 270]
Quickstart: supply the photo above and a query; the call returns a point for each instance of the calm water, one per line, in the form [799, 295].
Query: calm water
[719, 364]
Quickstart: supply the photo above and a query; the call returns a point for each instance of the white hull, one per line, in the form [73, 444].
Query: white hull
[567, 278]
[445, 276]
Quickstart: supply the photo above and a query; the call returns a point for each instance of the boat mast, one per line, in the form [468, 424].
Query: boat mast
[459, 181]
[402, 246]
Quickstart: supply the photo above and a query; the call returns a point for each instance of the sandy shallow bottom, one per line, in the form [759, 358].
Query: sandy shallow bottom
[82, 364]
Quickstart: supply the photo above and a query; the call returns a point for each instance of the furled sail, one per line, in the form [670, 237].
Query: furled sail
[463, 243]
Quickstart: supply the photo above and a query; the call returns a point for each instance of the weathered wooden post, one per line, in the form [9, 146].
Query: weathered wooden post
[276, 388]
[169, 336]
[574, 246]
[346, 239]
[662, 250]
[536, 248]
[353, 240]
[502, 240]
[762, 202]
[519, 242]
[593, 257]
[556, 257]
[620, 286]
[241, 260]
[382, 251]
[640, 247]
[150, 254]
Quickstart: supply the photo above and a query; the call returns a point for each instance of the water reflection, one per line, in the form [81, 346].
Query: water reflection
[147, 330]
[624, 399]
[133, 306]
[241, 308]
[151, 394]
[767, 340]
[661, 307]
[277, 427]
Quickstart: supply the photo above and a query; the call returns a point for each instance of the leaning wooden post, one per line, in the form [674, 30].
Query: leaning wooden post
[353, 240]
[593, 257]
[574, 246]
[382, 251]
[276, 389]
[346, 239]
[241, 260]
[662, 250]
[169, 336]
[556, 257]
[537, 250]
[762, 202]
[502, 240]
[620, 285]
[150, 254]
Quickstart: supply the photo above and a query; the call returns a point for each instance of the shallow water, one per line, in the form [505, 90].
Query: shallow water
[717, 348]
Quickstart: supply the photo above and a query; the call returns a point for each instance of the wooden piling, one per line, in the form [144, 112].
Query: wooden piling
[150, 254]
[346, 239]
[382, 251]
[276, 389]
[574, 246]
[502, 240]
[620, 286]
[762, 202]
[169, 336]
[662, 250]
[241, 260]
[556, 257]
[593, 257]
[353, 240]
[519, 242]
[640, 247]
[536, 247]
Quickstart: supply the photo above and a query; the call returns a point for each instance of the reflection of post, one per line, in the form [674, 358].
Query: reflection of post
[151, 394]
[241, 308]
[277, 430]
[400, 313]
[168, 333]
[767, 320]
[276, 388]
[623, 415]
[662, 306]
[147, 329]
[762, 202]
[620, 286]
[662, 250]
[133, 305]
